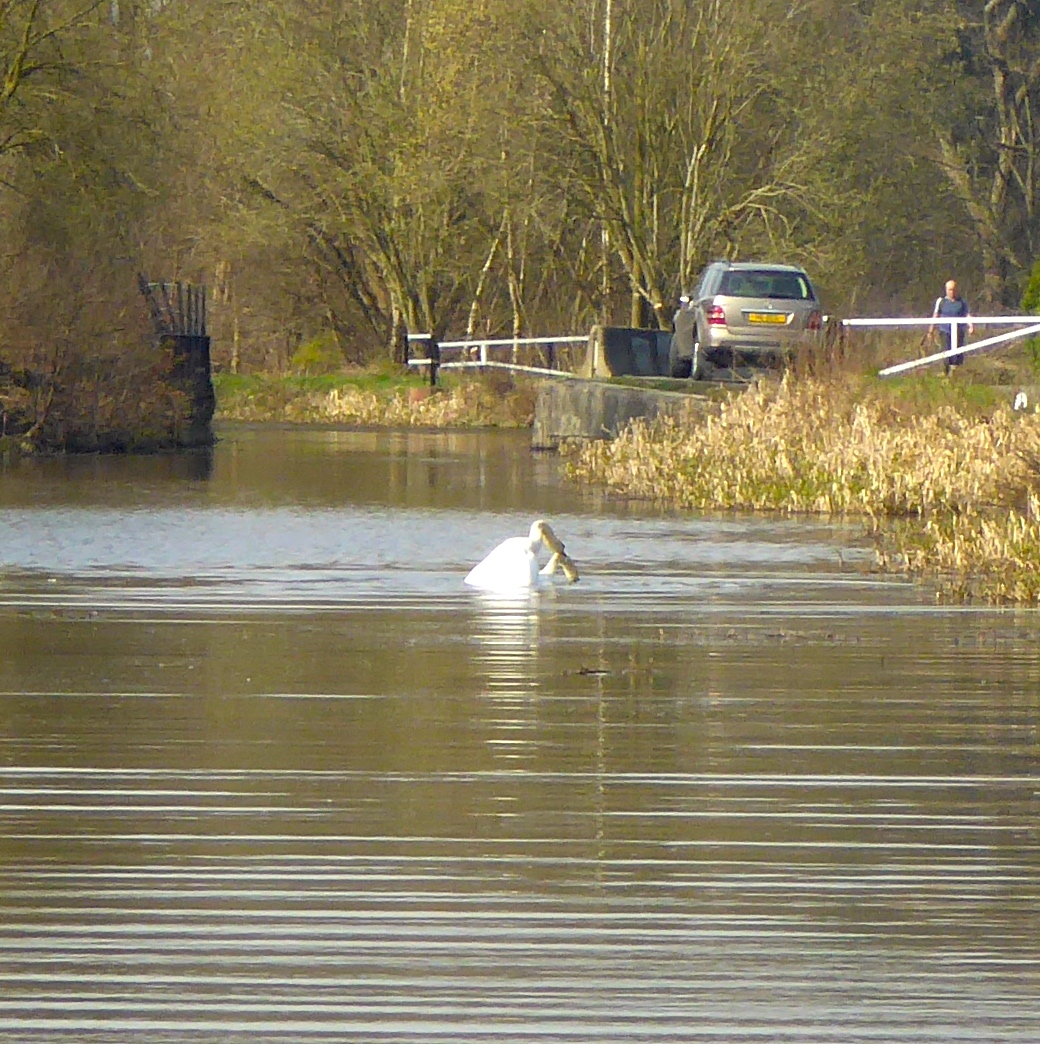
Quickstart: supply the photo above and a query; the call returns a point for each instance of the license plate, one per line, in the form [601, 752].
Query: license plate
[776, 318]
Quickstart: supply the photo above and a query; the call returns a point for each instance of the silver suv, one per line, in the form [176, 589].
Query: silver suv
[743, 313]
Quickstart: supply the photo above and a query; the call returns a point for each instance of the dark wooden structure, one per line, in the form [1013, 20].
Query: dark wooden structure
[616, 351]
[178, 312]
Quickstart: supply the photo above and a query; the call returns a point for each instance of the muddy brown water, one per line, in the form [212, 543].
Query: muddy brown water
[270, 772]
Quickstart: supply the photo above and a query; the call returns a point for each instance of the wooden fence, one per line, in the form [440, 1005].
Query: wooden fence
[177, 309]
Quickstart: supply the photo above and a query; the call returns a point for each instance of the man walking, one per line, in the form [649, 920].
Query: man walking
[951, 335]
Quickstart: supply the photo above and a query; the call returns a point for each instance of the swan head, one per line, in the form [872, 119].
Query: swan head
[513, 565]
[542, 531]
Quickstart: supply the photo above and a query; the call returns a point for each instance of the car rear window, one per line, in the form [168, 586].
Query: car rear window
[765, 283]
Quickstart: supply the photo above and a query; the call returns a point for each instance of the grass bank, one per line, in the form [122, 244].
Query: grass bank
[376, 398]
[947, 476]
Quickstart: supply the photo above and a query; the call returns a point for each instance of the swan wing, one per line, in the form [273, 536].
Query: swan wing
[510, 565]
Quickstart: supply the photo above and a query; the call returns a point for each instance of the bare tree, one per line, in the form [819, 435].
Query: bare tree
[991, 155]
[32, 61]
[693, 149]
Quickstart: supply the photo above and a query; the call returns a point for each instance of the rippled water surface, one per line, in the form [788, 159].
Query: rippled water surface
[270, 772]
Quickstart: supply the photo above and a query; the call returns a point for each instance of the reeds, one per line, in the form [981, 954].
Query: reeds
[992, 557]
[464, 404]
[966, 482]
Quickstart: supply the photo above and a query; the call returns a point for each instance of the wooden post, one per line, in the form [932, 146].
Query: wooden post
[433, 353]
[399, 344]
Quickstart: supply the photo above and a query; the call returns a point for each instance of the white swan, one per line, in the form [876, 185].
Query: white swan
[514, 563]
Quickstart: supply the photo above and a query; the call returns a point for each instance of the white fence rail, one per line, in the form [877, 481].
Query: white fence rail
[476, 354]
[1030, 328]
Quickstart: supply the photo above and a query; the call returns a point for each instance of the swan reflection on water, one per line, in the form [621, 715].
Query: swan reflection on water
[507, 628]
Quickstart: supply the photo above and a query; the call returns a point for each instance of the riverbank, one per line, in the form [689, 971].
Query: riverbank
[137, 399]
[377, 398]
[945, 474]
[946, 477]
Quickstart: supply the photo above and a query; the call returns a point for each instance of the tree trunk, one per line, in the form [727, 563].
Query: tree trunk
[398, 337]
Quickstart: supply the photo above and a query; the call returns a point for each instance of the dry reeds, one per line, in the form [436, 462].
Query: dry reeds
[992, 557]
[467, 404]
[829, 447]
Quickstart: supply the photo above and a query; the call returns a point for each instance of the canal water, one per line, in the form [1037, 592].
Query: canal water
[269, 771]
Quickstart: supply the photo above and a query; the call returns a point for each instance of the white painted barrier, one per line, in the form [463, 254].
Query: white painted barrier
[1030, 329]
[482, 359]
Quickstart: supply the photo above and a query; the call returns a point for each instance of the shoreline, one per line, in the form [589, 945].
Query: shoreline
[945, 480]
[378, 400]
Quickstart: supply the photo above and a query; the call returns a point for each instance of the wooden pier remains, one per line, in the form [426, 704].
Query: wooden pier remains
[178, 313]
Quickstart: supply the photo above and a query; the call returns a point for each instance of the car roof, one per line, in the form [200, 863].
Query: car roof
[744, 266]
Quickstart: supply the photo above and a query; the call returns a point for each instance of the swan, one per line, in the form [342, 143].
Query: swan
[514, 563]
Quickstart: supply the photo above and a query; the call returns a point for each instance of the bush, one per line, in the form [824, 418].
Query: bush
[319, 355]
[1031, 306]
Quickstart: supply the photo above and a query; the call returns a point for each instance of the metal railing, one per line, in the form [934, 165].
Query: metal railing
[476, 354]
[1030, 324]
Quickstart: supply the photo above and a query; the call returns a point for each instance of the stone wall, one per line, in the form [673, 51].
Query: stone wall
[583, 409]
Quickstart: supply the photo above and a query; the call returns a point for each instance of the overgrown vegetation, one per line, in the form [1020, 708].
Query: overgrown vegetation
[377, 398]
[951, 493]
[125, 402]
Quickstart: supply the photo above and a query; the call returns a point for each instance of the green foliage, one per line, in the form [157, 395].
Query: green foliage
[377, 398]
[925, 393]
[1031, 296]
[378, 379]
[319, 355]
[1031, 306]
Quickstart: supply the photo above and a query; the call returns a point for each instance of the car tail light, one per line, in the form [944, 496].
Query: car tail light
[716, 316]
[815, 322]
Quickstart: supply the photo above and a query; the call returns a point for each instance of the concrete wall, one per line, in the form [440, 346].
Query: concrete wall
[615, 351]
[581, 409]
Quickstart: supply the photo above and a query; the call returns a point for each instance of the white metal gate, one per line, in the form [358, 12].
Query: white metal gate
[1030, 327]
[477, 354]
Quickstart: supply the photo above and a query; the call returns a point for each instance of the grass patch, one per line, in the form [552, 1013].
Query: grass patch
[376, 398]
[232, 385]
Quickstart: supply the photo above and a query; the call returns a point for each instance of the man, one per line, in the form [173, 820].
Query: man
[952, 306]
